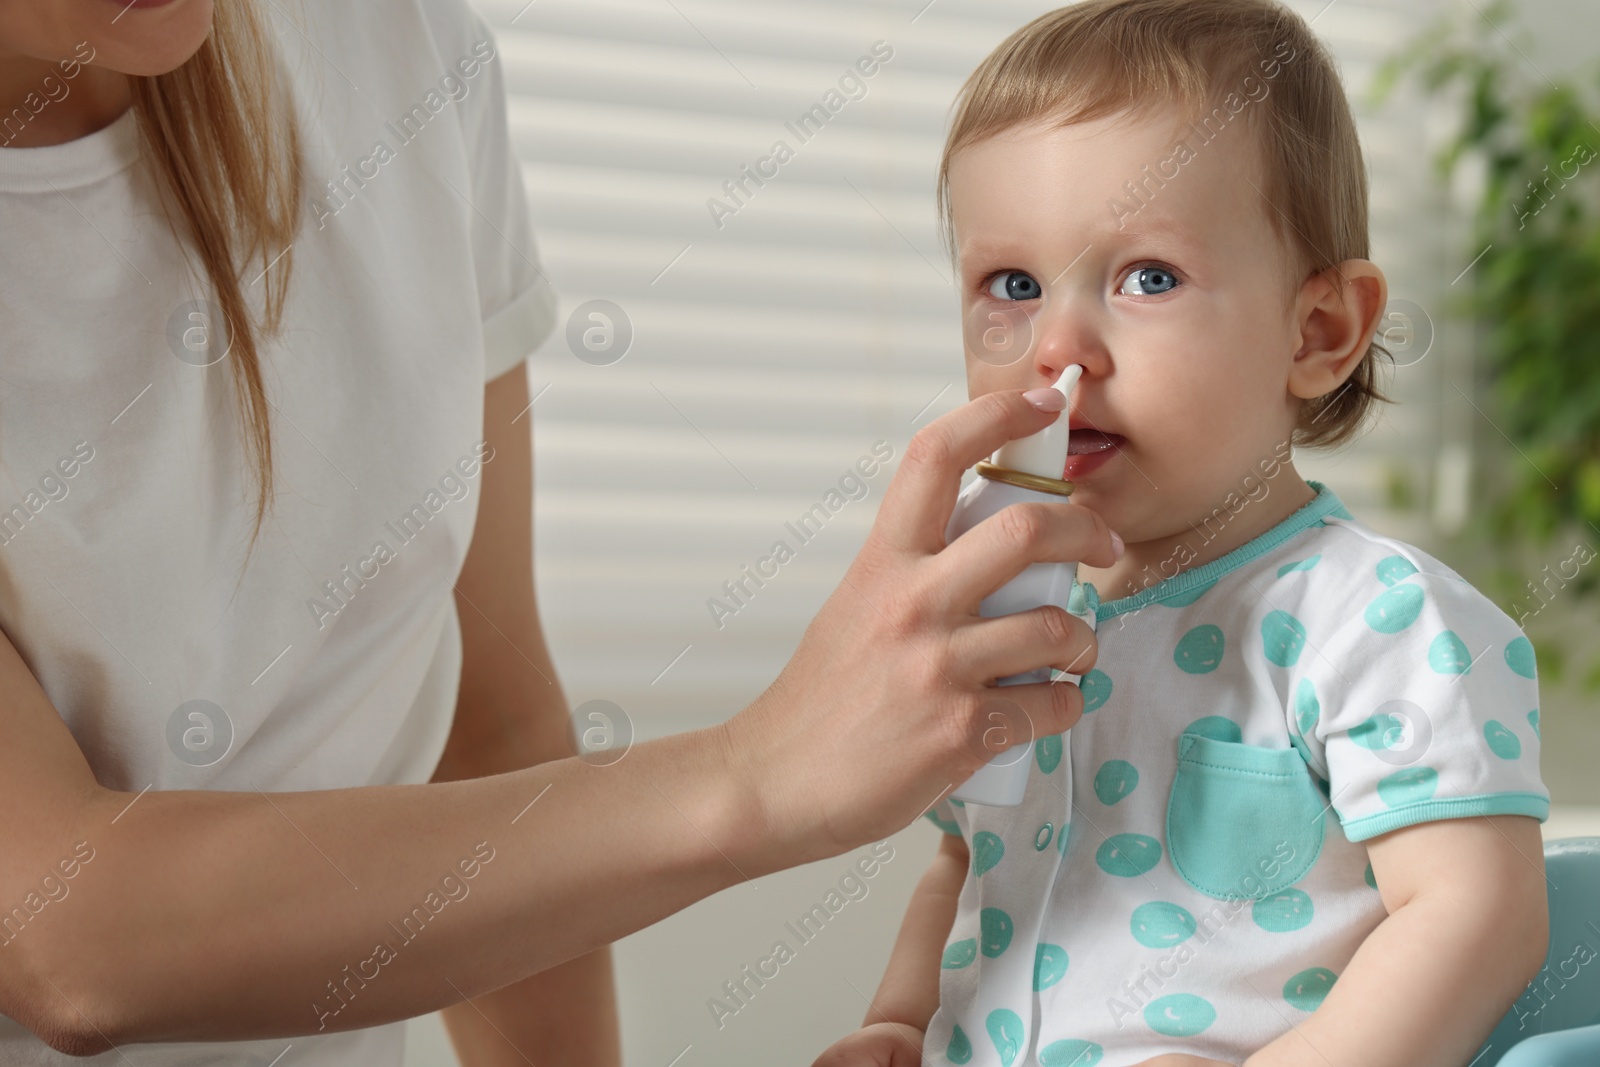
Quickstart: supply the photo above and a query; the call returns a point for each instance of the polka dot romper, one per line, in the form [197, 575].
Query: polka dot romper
[1185, 872]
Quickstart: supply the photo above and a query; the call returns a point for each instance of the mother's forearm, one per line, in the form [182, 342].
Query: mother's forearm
[213, 915]
[1424, 989]
[566, 1015]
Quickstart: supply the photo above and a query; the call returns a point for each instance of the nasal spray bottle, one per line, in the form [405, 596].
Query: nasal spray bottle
[1022, 470]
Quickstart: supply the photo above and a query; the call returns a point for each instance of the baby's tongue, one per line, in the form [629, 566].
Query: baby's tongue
[1086, 442]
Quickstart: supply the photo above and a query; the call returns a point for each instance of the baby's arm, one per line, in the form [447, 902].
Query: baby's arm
[908, 995]
[1468, 928]
[909, 992]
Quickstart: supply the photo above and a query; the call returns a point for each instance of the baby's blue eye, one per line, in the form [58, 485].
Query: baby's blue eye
[1148, 281]
[1015, 285]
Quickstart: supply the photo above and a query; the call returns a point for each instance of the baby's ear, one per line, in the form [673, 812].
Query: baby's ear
[1336, 313]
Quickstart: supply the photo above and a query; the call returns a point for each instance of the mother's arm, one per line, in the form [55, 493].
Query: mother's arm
[209, 915]
[511, 714]
[205, 915]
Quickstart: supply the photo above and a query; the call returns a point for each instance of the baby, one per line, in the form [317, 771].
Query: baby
[1297, 823]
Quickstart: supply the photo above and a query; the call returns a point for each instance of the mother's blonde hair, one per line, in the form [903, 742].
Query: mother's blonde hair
[220, 133]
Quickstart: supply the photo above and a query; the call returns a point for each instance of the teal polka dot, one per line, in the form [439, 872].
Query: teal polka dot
[1283, 912]
[1370, 878]
[960, 1048]
[1179, 1015]
[1215, 727]
[1519, 657]
[1005, 1030]
[947, 825]
[1159, 924]
[1394, 609]
[1115, 779]
[1188, 596]
[958, 954]
[987, 848]
[1096, 688]
[1041, 840]
[1306, 706]
[1077, 599]
[1047, 751]
[1379, 731]
[1299, 565]
[1064, 838]
[1070, 1053]
[994, 932]
[1200, 650]
[958, 803]
[1533, 721]
[1448, 654]
[1502, 742]
[1049, 965]
[1392, 569]
[1409, 786]
[1307, 989]
[1128, 855]
[1282, 637]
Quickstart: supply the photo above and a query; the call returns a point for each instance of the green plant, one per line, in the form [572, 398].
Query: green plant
[1535, 293]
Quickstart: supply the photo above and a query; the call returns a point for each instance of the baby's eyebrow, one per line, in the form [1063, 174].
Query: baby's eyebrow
[978, 248]
[1162, 226]
[1155, 227]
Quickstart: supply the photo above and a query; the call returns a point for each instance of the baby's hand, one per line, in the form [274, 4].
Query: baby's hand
[878, 1045]
[1181, 1059]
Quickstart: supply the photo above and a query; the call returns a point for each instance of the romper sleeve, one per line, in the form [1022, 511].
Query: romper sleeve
[515, 296]
[943, 815]
[1421, 703]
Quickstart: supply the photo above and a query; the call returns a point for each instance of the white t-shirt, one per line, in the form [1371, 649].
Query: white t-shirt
[1193, 894]
[126, 496]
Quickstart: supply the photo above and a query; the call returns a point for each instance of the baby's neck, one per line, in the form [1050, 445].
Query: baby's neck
[1146, 563]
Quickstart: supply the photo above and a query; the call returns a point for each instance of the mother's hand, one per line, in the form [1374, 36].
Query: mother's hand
[886, 704]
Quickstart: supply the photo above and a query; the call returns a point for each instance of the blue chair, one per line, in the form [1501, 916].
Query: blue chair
[1556, 1020]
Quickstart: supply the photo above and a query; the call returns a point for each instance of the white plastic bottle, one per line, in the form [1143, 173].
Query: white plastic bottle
[1027, 469]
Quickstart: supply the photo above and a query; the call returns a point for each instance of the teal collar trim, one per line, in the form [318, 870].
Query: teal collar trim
[1187, 586]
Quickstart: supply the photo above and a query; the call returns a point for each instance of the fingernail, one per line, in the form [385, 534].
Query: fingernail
[1116, 543]
[1045, 398]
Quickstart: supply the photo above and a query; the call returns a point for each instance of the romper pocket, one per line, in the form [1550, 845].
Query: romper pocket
[1243, 821]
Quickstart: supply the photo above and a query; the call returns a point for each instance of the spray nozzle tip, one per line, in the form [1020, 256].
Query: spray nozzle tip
[1069, 378]
[1044, 453]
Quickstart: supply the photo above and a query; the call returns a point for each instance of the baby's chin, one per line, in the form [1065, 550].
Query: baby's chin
[1139, 512]
[1109, 502]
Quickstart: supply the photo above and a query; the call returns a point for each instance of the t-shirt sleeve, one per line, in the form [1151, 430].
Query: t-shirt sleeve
[515, 297]
[1421, 703]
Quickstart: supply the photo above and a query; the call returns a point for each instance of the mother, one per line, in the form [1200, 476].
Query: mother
[282, 751]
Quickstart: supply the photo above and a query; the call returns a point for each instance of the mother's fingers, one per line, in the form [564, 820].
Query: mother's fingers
[1026, 641]
[1015, 714]
[1001, 546]
[917, 504]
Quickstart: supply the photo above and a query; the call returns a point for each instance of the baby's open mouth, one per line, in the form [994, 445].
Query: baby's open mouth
[1089, 450]
[1088, 442]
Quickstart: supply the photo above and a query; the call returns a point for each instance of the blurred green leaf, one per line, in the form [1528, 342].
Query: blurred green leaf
[1591, 680]
[1535, 293]
[1399, 488]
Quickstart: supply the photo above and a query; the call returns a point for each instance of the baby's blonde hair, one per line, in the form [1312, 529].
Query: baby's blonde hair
[1104, 57]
